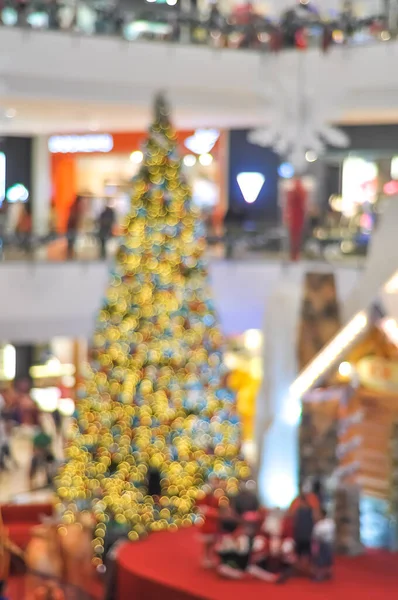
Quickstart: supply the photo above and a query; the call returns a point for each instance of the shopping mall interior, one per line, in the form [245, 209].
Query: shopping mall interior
[199, 299]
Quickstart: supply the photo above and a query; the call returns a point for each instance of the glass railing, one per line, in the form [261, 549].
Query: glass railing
[332, 245]
[300, 27]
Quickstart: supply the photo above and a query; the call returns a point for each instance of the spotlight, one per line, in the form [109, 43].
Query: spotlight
[205, 159]
[136, 157]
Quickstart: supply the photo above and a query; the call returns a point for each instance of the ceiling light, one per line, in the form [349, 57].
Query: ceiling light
[311, 156]
[202, 141]
[171, 2]
[189, 160]
[345, 369]
[10, 113]
[286, 170]
[250, 185]
[137, 157]
[205, 159]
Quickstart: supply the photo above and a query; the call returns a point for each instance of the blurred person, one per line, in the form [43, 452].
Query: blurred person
[53, 14]
[273, 554]
[304, 512]
[73, 226]
[5, 453]
[42, 457]
[246, 500]
[3, 223]
[27, 409]
[24, 227]
[209, 509]
[323, 539]
[235, 547]
[106, 223]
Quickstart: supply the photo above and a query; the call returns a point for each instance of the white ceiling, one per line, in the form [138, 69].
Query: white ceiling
[34, 117]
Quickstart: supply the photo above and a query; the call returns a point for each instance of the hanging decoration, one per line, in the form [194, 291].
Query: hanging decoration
[298, 131]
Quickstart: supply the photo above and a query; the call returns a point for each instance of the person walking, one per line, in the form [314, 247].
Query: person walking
[73, 225]
[106, 223]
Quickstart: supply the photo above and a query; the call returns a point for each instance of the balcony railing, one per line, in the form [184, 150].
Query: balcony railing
[300, 27]
[335, 245]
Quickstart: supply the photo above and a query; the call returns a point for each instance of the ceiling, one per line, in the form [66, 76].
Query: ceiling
[34, 117]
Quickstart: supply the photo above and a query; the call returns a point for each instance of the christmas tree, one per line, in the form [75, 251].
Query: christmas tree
[154, 395]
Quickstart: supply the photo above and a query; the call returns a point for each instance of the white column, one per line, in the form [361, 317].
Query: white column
[277, 416]
[41, 185]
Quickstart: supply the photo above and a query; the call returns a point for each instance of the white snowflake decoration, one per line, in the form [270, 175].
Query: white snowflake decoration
[298, 123]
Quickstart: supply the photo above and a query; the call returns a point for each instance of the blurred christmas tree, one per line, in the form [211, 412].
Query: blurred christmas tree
[154, 395]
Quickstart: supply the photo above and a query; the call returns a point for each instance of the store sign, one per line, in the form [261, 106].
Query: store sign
[72, 144]
[378, 374]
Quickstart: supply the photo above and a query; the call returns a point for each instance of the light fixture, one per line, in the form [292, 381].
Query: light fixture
[53, 368]
[171, 2]
[9, 362]
[250, 185]
[189, 160]
[202, 141]
[10, 113]
[385, 36]
[17, 193]
[252, 339]
[286, 170]
[136, 157]
[345, 369]
[72, 144]
[205, 159]
[391, 188]
[311, 156]
[391, 287]
[328, 356]
[46, 398]
[394, 167]
[389, 326]
[338, 36]
[66, 407]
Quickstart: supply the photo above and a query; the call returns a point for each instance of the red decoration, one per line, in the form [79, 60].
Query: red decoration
[295, 217]
[301, 39]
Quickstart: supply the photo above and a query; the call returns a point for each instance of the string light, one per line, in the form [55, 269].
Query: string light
[154, 395]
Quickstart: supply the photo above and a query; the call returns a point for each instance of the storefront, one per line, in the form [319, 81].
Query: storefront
[100, 167]
[357, 182]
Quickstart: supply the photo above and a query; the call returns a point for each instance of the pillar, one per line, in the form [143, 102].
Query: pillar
[24, 357]
[277, 414]
[41, 186]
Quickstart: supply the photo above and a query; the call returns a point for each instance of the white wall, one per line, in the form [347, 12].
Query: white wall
[204, 84]
[39, 301]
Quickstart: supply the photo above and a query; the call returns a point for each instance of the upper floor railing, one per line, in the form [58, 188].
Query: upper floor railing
[248, 242]
[300, 27]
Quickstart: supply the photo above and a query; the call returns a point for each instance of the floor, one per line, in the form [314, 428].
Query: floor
[167, 565]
